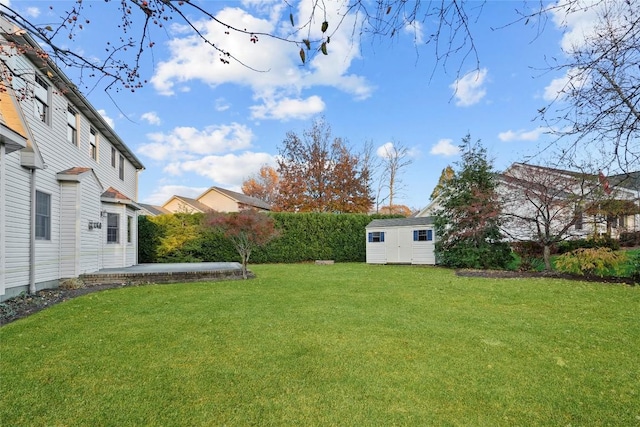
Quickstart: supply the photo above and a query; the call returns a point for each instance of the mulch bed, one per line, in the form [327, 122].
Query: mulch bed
[507, 274]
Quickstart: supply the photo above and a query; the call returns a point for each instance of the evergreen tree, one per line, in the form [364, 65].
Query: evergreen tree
[467, 221]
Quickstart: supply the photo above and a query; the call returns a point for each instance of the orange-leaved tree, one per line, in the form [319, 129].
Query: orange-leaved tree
[319, 173]
[264, 185]
[247, 230]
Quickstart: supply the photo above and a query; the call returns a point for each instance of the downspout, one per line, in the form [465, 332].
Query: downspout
[32, 232]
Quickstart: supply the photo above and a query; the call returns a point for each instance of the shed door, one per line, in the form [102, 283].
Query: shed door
[399, 245]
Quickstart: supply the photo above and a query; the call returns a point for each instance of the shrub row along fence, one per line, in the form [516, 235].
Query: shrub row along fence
[304, 237]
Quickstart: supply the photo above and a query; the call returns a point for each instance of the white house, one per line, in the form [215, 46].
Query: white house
[68, 183]
[401, 241]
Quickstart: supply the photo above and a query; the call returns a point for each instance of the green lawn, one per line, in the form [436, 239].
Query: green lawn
[344, 344]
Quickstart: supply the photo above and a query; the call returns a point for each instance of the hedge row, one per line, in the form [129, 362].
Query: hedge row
[304, 237]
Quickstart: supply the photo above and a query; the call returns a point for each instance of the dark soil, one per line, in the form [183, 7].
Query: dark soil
[25, 305]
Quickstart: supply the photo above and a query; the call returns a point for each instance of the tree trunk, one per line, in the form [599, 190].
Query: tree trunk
[546, 253]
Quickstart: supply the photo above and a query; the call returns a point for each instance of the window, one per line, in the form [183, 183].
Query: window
[121, 168]
[422, 235]
[129, 228]
[43, 216]
[376, 237]
[113, 228]
[41, 97]
[93, 144]
[113, 157]
[579, 224]
[72, 123]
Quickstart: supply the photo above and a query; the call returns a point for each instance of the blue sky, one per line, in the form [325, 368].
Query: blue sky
[199, 122]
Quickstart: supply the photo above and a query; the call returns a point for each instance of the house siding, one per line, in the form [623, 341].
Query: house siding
[221, 202]
[73, 249]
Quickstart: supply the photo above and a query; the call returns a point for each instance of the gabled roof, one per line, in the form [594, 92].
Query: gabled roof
[153, 209]
[629, 180]
[192, 203]
[111, 195]
[76, 174]
[240, 198]
[49, 68]
[400, 222]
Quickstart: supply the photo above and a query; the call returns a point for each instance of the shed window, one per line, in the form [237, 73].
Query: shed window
[422, 235]
[376, 237]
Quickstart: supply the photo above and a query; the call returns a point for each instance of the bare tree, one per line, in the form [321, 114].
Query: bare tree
[547, 205]
[598, 108]
[395, 158]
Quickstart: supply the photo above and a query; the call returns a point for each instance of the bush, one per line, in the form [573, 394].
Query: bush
[599, 242]
[630, 239]
[529, 252]
[591, 261]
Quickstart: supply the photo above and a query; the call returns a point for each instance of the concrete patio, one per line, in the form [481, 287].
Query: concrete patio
[166, 273]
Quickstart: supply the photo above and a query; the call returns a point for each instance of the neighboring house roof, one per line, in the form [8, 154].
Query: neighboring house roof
[399, 222]
[241, 198]
[70, 90]
[189, 202]
[629, 180]
[153, 209]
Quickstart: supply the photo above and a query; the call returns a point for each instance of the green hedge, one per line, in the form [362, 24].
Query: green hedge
[304, 237]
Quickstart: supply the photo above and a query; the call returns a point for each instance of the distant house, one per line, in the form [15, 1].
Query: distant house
[401, 241]
[217, 199]
[151, 210]
[180, 204]
[68, 183]
[597, 205]
[607, 205]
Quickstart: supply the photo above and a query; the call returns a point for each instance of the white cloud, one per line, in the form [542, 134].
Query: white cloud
[151, 117]
[577, 19]
[445, 147]
[191, 60]
[222, 105]
[188, 142]
[469, 89]
[415, 29]
[384, 150]
[107, 119]
[522, 135]
[162, 194]
[288, 108]
[229, 170]
[32, 11]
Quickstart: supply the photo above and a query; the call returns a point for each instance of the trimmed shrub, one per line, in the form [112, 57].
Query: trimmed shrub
[600, 242]
[592, 261]
[304, 237]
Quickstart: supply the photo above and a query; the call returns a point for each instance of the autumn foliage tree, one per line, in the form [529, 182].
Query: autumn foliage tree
[247, 230]
[467, 221]
[264, 185]
[319, 173]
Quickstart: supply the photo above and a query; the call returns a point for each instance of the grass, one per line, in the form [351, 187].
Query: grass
[343, 344]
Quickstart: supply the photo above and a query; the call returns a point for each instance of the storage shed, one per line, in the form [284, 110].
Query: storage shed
[401, 241]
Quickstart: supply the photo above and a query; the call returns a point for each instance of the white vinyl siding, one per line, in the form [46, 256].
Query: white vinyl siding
[50, 135]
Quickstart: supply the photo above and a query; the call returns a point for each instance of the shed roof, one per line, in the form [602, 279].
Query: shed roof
[401, 222]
